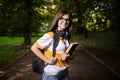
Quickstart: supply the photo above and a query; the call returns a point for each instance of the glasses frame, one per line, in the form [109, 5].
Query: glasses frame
[63, 19]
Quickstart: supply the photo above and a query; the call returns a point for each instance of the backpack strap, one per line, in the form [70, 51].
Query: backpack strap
[56, 41]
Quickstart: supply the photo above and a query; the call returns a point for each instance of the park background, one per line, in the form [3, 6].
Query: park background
[95, 26]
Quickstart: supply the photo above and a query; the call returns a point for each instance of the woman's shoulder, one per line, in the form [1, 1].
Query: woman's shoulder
[51, 34]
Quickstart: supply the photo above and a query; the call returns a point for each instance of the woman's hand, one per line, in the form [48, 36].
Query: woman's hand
[52, 60]
[64, 56]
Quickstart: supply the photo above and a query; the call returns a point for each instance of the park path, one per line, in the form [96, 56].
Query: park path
[83, 67]
[22, 69]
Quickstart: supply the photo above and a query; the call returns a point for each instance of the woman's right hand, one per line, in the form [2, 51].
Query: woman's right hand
[52, 60]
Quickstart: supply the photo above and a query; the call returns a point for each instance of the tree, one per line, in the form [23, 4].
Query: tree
[19, 18]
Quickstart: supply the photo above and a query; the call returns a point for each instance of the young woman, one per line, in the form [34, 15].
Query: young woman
[57, 67]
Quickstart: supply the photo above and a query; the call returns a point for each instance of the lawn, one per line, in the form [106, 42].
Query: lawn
[11, 49]
[107, 41]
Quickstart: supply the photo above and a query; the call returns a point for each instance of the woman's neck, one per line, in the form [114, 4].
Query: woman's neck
[59, 29]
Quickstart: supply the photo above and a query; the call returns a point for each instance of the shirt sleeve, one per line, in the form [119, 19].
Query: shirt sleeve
[45, 41]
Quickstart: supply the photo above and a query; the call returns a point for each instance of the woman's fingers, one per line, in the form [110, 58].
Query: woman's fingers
[64, 56]
[52, 60]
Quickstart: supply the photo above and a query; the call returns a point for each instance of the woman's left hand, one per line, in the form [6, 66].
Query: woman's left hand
[64, 56]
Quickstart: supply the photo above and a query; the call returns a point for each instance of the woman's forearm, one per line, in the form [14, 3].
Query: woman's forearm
[38, 53]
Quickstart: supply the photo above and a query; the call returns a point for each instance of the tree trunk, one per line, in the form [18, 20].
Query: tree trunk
[27, 31]
[27, 37]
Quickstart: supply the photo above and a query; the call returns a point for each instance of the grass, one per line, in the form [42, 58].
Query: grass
[103, 41]
[10, 40]
[11, 49]
[10, 53]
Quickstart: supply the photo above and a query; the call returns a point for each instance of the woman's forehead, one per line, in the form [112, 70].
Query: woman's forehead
[65, 16]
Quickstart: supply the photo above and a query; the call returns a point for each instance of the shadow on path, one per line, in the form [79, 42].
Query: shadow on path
[83, 67]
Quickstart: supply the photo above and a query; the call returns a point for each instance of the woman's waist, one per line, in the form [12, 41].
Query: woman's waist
[53, 69]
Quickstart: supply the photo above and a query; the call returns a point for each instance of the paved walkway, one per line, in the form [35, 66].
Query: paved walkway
[83, 67]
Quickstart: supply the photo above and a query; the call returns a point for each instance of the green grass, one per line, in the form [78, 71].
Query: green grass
[11, 49]
[10, 40]
[102, 41]
[9, 53]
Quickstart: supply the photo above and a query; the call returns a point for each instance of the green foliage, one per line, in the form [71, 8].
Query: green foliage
[95, 15]
[18, 17]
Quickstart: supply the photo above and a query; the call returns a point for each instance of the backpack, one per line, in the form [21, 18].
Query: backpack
[38, 64]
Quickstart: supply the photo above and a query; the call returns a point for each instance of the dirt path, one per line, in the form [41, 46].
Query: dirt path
[83, 67]
[22, 70]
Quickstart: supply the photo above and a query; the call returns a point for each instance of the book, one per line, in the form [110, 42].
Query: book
[71, 48]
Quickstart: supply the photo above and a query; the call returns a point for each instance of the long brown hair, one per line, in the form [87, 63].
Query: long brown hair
[58, 16]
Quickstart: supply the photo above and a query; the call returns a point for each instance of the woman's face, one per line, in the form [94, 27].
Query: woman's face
[63, 22]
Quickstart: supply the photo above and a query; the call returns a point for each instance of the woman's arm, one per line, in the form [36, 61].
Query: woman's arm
[39, 54]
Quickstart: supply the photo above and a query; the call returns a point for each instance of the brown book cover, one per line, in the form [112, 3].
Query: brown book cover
[71, 47]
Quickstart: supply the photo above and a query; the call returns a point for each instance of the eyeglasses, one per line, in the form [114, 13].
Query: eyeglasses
[63, 19]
